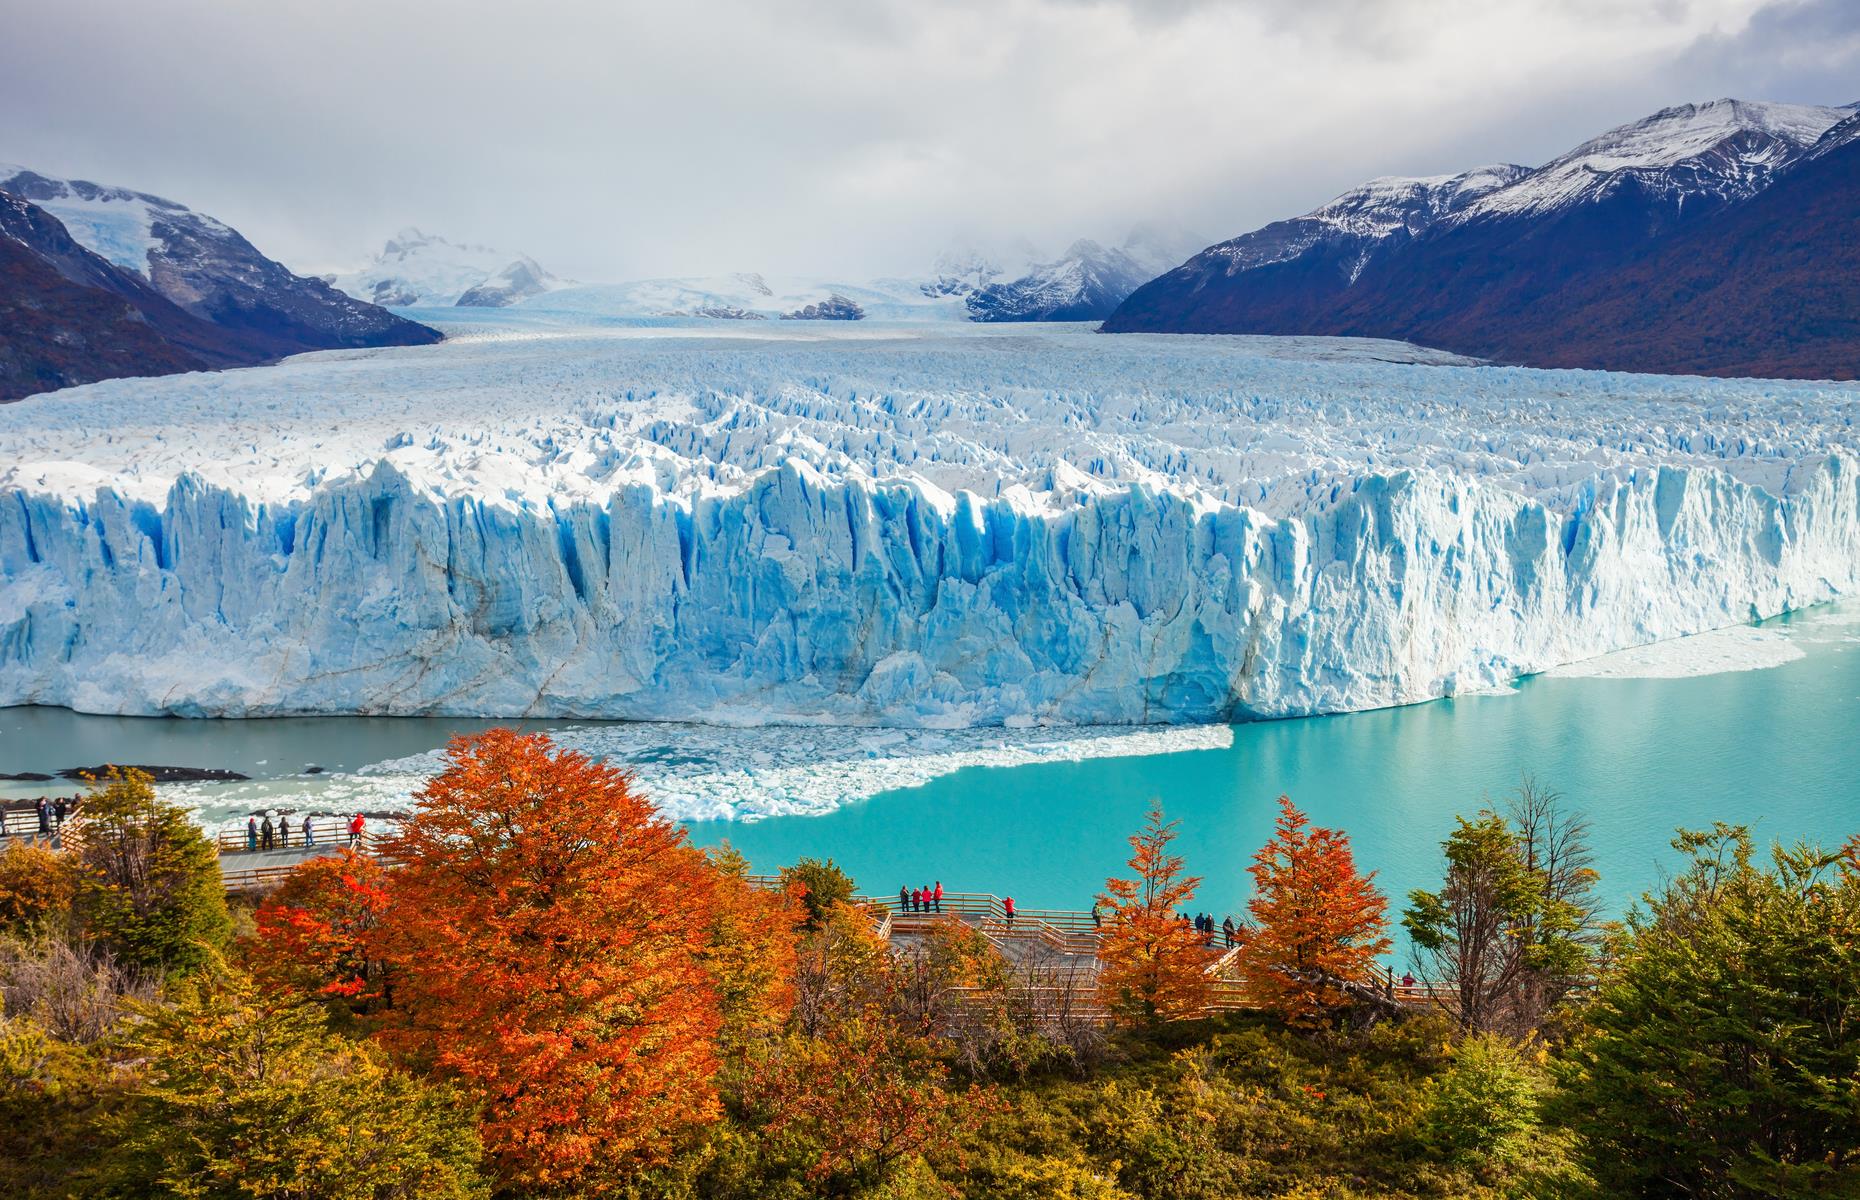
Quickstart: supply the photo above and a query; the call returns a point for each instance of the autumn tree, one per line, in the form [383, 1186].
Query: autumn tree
[1154, 965]
[858, 1107]
[841, 969]
[1318, 924]
[314, 932]
[547, 930]
[750, 950]
[239, 1093]
[148, 880]
[37, 884]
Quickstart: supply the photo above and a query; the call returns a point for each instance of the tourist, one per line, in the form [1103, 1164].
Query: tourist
[355, 830]
[1407, 981]
[309, 833]
[58, 813]
[1097, 914]
[904, 898]
[936, 897]
[251, 833]
[284, 832]
[45, 817]
[1227, 931]
[266, 834]
[1007, 906]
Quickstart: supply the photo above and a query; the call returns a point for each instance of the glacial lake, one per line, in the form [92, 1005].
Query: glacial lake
[1772, 741]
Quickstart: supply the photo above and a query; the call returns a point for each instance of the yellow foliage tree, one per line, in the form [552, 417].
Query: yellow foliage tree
[1153, 964]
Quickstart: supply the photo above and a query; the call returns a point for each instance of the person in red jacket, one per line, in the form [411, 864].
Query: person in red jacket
[355, 829]
[1007, 905]
[936, 897]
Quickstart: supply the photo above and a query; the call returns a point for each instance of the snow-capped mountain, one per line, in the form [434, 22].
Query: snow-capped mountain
[68, 316]
[1364, 220]
[1687, 156]
[1086, 283]
[421, 269]
[1484, 263]
[206, 268]
[956, 525]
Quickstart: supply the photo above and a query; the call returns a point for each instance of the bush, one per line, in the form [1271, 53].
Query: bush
[821, 886]
[1478, 1112]
[241, 1095]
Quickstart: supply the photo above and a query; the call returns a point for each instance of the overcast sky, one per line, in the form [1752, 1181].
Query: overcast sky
[616, 140]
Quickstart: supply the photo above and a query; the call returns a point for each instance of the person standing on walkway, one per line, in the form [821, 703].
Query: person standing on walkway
[356, 825]
[309, 833]
[904, 898]
[1227, 931]
[937, 896]
[45, 817]
[1097, 914]
[267, 836]
[58, 814]
[284, 832]
[1007, 906]
[251, 833]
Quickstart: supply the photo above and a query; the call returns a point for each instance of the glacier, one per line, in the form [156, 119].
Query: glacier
[916, 526]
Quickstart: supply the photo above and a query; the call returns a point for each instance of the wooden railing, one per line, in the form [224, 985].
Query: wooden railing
[24, 822]
[327, 831]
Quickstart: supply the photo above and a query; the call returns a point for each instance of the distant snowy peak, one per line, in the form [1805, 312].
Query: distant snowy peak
[1725, 149]
[416, 268]
[1086, 283]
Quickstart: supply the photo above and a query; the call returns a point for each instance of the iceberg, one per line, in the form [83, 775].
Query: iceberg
[920, 527]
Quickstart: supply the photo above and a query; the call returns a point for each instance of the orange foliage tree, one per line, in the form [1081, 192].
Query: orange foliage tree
[549, 936]
[1153, 965]
[1318, 923]
[314, 931]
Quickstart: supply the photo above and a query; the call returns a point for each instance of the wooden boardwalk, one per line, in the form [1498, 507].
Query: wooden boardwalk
[1053, 952]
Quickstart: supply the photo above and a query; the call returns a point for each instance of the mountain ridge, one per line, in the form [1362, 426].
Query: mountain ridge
[1487, 278]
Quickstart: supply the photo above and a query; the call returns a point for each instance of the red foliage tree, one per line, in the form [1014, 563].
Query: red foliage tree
[1317, 922]
[314, 930]
[1153, 965]
[548, 932]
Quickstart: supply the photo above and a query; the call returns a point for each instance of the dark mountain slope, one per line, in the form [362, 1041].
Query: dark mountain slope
[1771, 288]
[207, 268]
[69, 317]
[1509, 275]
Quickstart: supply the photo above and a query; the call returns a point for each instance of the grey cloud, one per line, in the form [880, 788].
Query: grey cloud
[619, 139]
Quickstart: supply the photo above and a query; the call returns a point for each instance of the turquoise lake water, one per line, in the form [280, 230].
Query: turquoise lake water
[1775, 748]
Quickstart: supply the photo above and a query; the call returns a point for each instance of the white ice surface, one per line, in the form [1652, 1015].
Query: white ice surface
[1740, 648]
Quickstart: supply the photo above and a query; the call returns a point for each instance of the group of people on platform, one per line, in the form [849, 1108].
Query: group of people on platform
[923, 899]
[263, 835]
[51, 813]
[1204, 925]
